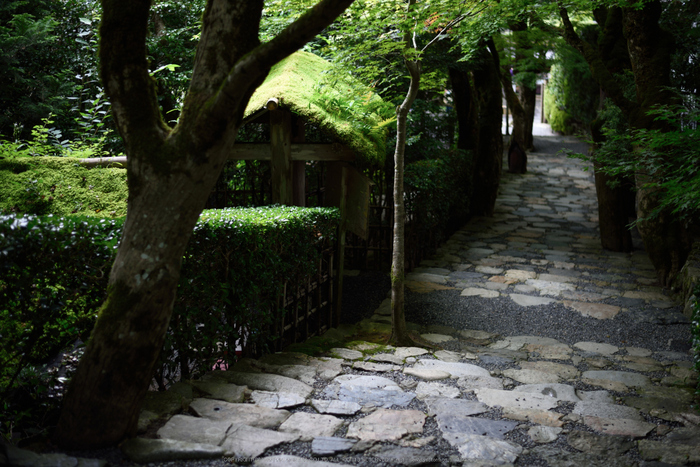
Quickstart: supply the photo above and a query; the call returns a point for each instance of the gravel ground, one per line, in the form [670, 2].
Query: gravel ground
[502, 316]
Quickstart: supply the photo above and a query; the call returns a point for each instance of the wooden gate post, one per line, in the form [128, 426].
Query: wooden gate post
[281, 146]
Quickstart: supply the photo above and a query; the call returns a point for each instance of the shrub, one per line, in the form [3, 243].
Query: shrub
[439, 191]
[54, 271]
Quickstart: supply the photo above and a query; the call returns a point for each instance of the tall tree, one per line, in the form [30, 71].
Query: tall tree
[170, 174]
[650, 49]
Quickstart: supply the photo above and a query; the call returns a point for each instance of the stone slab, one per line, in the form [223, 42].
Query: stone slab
[431, 389]
[593, 310]
[538, 417]
[387, 425]
[619, 427]
[276, 400]
[222, 391]
[527, 376]
[405, 456]
[479, 292]
[195, 430]
[294, 461]
[309, 426]
[346, 354]
[455, 369]
[560, 392]
[484, 448]
[528, 300]
[612, 380]
[597, 347]
[426, 374]
[249, 442]
[544, 434]
[328, 446]
[335, 407]
[558, 369]
[376, 390]
[604, 410]
[267, 382]
[495, 397]
[239, 414]
[606, 445]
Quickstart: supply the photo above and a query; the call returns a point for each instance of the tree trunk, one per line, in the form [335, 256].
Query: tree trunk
[466, 108]
[105, 395]
[488, 160]
[666, 240]
[650, 49]
[170, 174]
[399, 332]
[613, 212]
[528, 97]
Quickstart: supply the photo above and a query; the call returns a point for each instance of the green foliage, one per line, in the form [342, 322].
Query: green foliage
[439, 191]
[667, 154]
[59, 186]
[571, 99]
[53, 278]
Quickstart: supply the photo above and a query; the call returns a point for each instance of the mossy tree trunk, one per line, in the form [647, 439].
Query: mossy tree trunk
[170, 174]
[488, 160]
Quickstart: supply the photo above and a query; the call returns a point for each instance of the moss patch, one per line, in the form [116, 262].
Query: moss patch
[61, 186]
[303, 84]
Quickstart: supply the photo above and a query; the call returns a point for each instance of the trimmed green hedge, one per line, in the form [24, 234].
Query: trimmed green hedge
[54, 270]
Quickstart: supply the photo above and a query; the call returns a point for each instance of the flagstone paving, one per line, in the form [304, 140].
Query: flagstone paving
[488, 397]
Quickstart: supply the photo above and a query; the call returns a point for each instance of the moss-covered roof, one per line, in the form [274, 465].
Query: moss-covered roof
[341, 107]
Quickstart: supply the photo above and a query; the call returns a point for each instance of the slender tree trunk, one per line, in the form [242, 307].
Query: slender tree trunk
[528, 97]
[516, 109]
[488, 161]
[399, 332]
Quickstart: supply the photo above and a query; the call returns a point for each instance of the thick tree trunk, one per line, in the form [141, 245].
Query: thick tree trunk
[488, 161]
[613, 217]
[666, 240]
[106, 392]
[650, 49]
[613, 212]
[170, 174]
[466, 108]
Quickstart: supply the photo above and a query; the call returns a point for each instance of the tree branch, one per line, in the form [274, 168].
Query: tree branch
[255, 65]
[124, 71]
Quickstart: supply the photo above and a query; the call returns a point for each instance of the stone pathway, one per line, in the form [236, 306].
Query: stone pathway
[486, 399]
